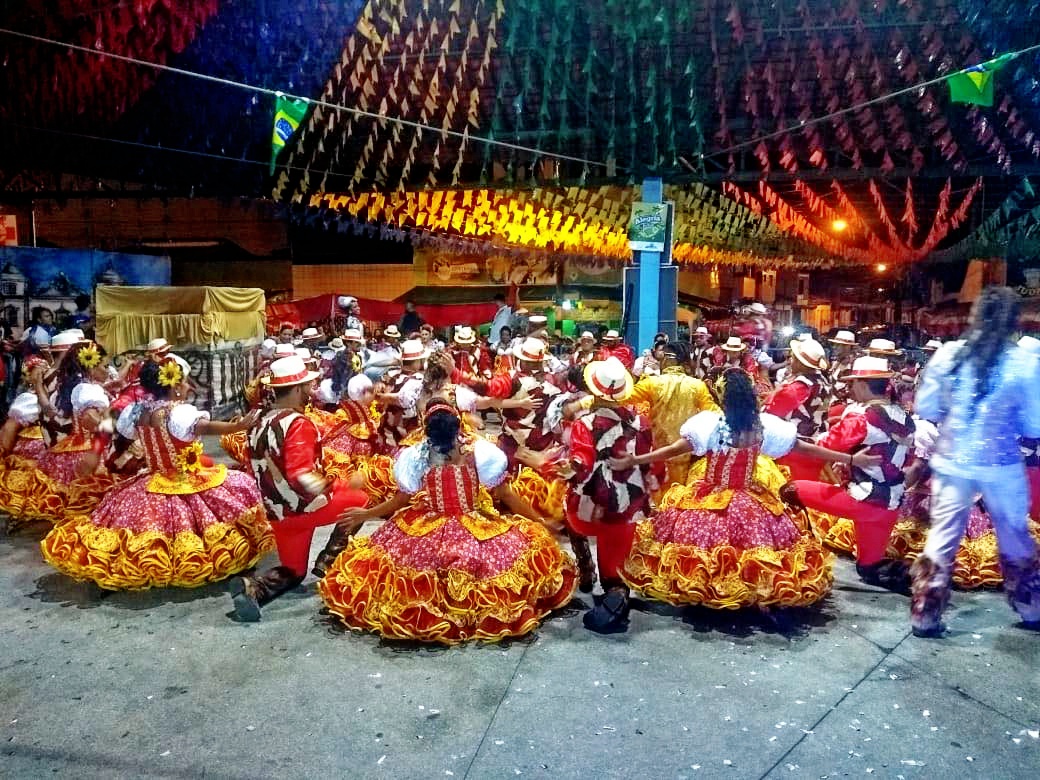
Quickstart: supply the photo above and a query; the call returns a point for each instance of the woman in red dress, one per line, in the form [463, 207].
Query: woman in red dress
[447, 566]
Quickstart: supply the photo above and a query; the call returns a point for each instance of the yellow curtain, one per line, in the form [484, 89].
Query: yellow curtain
[130, 317]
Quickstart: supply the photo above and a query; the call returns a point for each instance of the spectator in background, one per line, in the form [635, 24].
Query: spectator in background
[83, 317]
[41, 329]
[286, 333]
[429, 339]
[503, 319]
[411, 322]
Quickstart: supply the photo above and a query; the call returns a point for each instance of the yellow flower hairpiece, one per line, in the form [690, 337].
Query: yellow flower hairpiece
[170, 374]
[89, 357]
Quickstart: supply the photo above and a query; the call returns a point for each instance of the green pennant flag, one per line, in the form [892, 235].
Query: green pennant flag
[975, 85]
[288, 113]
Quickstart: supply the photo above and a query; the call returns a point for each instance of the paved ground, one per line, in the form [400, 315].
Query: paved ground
[161, 684]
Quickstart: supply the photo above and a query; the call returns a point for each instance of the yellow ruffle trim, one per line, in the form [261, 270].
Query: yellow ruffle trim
[377, 471]
[120, 559]
[725, 577]
[837, 533]
[189, 483]
[236, 445]
[545, 497]
[32, 432]
[369, 592]
[766, 481]
[28, 495]
[976, 565]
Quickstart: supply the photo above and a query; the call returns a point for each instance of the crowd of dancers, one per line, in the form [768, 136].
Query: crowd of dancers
[705, 473]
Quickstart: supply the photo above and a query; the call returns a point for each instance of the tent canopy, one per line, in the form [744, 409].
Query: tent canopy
[130, 317]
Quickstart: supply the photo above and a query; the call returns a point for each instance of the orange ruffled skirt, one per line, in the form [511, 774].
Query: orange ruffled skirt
[835, 533]
[545, 497]
[136, 539]
[447, 585]
[236, 445]
[728, 549]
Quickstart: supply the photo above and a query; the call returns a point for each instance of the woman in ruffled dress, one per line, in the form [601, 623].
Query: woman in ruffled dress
[64, 479]
[447, 567]
[183, 523]
[725, 539]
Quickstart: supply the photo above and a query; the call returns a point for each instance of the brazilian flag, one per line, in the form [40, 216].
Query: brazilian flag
[974, 85]
[288, 113]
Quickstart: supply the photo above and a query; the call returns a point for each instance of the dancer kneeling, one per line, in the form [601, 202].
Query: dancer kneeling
[724, 540]
[181, 524]
[447, 567]
[285, 452]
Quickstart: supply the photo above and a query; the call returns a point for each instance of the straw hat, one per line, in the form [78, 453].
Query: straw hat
[810, 353]
[882, 347]
[586, 335]
[465, 336]
[530, 349]
[159, 346]
[287, 372]
[336, 345]
[612, 335]
[310, 333]
[934, 344]
[64, 340]
[353, 335]
[734, 344]
[702, 331]
[537, 319]
[758, 308]
[413, 349]
[267, 347]
[608, 379]
[284, 350]
[868, 367]
[846, 337]
[392, 332]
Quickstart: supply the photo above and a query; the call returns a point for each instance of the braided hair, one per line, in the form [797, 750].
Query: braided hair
[994, 318]
[71, 373]
[442, 431]
[740, 404]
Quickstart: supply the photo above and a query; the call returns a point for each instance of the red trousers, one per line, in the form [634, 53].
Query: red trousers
[873, 523]
[293, 535]
[613, 544]
[801, 466]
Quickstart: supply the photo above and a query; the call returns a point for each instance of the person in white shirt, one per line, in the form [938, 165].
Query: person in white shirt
[503, 318]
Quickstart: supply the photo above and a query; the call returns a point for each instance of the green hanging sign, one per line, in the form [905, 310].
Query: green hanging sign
[648, 227]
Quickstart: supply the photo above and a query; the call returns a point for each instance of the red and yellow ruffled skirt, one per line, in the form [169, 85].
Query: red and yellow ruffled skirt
[48, 489]
[342, 460]
[728, 549]
[545, 496]
[138, 539]
[977, 563]
[453, 582]
[835, 533]
[236, 445]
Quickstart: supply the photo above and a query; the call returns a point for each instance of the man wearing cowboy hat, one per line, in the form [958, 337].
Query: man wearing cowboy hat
[471, 362]
[700, 354]
[400, 416]
[285, 458]
[804, 399]
[586, 351]
[843, 353]
[311, 338]
[870, 497]
[612, 346]
[601, 501]
[734, 353]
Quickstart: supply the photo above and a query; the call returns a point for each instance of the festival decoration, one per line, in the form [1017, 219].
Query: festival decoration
[975, 84]
[288, 113]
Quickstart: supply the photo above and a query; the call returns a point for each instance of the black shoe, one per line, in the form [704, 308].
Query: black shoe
[888, 574]
[610, 616]
[929, 633]
[247, 607]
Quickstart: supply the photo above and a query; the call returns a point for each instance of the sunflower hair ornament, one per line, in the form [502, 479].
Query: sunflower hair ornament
[170, 374]
[189, 459]
[89, 356]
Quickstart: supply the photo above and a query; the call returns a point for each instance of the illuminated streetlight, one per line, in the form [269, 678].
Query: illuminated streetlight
[839, 225]
[881, 268]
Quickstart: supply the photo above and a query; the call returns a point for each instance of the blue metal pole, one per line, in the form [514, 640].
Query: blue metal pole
[648, 323]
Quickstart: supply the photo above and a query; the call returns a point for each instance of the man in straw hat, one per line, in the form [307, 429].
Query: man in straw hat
[700, 353]
[843, 353]
[804, 399]
[612, 346]
[601, 501]
[981, 393]
[285, 458]
[471, 362]
[870, 497]
[400, 416]
[585, 352]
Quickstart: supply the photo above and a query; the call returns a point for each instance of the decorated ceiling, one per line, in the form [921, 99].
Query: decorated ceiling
[789, 132]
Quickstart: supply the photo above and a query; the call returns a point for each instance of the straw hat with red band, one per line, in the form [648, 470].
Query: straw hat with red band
[734, 344]
[608, 379]
[288, 372]
[809, 353]
[158, 346]
[846, 337]
[531, 349]
[284, 350]
[413, 349]
[868, 367]
[392, 332]
[611, 336]
[882, 347]
[353, 335]
[465, 336]
[64, 340]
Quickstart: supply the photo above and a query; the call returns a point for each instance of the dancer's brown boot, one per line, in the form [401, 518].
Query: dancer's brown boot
[251, 593]
[338, 541]
[583, 555]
